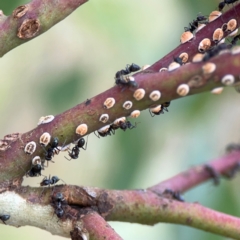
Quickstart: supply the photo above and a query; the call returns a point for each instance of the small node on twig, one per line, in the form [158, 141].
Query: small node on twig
[20, 11]
[186, 37]
[208, 68]
[204, 45]
[228, 80]
[12, 137]
[4, 145]
[213, 174]
[82, 129]
[46, 119]
[183, 90]
[127, 105]
[184, 57]
[214, 15]
[29, 28]
[197, 57]
[109, 103]
[155, 95]
[217, 90]
[104, 118]
[139, 94]
[231, 25]
[173, 65]
[196, 81]
[45, 139]
[163, 69]
[30, 147]
[217, 35]
[36, 160]
[135, 114]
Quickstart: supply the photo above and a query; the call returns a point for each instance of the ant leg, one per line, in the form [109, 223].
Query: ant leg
[96, 134]
[86, 143]
[68, 158]
[152, 115]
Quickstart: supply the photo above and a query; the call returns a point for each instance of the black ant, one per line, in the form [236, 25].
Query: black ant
[222, 4]
[53, 149]
[194, 24]
[175, 195]
[122, 124]
[235, 39]
[122, 80]
[165, 105]
[159, 109]
[74, 153]
[88, 101]
[213, 173]
[58, 201]
[35, 171]
[127, 125]
[105, 131]
[178, 60]
[4, 218]
[129, 69]
[233, 171]
[232, 147]
[49, 181]
[214, 51]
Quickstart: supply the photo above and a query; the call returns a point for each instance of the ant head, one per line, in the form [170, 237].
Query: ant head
[55, 142]
[59, 196]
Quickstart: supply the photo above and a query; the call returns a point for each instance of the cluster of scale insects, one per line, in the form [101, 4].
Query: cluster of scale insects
[51, 148]
[124, 79]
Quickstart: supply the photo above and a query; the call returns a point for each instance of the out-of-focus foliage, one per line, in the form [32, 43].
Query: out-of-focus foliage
[76, 60]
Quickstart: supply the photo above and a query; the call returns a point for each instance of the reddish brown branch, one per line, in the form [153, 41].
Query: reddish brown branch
[64, 125]
[33, 19]
[98, 228]
[191, 47]
[196, 175]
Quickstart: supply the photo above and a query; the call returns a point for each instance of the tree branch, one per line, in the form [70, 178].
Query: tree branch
[199, 174]
[86, 207]
[85, 204]
[31, 20]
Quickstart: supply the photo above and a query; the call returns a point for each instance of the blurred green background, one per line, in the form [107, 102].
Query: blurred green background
[76, 60]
